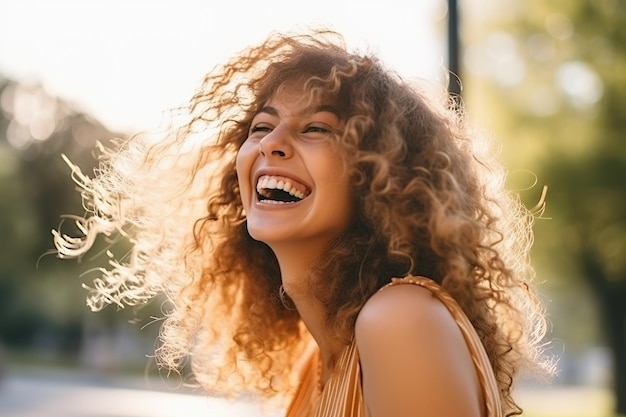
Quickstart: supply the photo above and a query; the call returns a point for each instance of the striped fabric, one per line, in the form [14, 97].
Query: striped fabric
[343, 396]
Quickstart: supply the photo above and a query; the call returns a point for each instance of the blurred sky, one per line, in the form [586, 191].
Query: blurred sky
[125, 61]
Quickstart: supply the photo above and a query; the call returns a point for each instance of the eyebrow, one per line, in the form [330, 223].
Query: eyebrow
[322, 108]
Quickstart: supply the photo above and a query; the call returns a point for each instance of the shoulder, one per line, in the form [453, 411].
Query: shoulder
[404, 305]
[413, 356]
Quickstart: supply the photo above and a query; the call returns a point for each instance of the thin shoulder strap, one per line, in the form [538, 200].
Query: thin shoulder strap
[483, 367]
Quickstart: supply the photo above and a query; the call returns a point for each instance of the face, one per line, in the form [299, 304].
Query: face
[293, 181]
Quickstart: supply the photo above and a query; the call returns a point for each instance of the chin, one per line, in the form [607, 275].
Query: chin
[264, 235]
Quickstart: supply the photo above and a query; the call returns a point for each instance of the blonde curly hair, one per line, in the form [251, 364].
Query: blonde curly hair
[430, 202]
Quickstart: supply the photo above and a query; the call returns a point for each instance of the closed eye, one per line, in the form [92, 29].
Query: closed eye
[260, 130]
[317, 131]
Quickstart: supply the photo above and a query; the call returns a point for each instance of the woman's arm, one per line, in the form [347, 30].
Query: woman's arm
[414, 359]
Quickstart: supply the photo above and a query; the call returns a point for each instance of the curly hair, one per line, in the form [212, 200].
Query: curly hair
[430, 201]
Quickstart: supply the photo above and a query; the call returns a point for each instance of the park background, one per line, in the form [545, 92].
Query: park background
[546, 77]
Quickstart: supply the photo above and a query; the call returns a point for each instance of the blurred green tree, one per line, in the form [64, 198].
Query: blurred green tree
[41, 313]
[40, 308]
[550, 78]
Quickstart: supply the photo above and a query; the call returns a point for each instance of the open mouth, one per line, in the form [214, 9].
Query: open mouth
[280, 190]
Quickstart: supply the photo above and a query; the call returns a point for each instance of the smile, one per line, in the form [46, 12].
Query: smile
[280, 190]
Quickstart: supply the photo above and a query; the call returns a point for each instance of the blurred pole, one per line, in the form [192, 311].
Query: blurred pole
[454, 85]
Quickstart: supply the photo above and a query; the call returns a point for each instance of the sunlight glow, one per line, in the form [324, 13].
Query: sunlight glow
[127, 61]
[580, 83]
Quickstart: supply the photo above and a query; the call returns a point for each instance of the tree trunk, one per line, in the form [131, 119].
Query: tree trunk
[612, 301]
[616, 332]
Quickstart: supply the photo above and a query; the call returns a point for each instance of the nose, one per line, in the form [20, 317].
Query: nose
[277, 143]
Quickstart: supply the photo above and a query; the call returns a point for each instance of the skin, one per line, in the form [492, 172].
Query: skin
[413, 356]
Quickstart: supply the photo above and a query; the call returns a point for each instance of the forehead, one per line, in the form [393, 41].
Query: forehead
[289, 100]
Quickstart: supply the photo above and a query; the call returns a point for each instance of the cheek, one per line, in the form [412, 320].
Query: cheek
[243, 164]
[340, 189]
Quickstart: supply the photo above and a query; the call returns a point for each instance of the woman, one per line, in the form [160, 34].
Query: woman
[326, 233]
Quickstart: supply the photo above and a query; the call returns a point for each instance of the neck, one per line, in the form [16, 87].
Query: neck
[295, 266]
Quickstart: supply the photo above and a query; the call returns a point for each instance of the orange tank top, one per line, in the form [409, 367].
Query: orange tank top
[343, 396]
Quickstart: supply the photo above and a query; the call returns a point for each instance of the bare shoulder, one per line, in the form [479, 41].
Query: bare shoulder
[404, 305]
[414, 357]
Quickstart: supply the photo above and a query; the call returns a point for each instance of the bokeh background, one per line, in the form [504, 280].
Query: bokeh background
[546, 77]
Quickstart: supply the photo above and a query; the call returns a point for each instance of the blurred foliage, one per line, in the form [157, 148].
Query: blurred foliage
[549, 76]
[40, 297]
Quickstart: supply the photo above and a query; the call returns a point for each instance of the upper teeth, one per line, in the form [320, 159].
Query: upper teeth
[274, 183]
